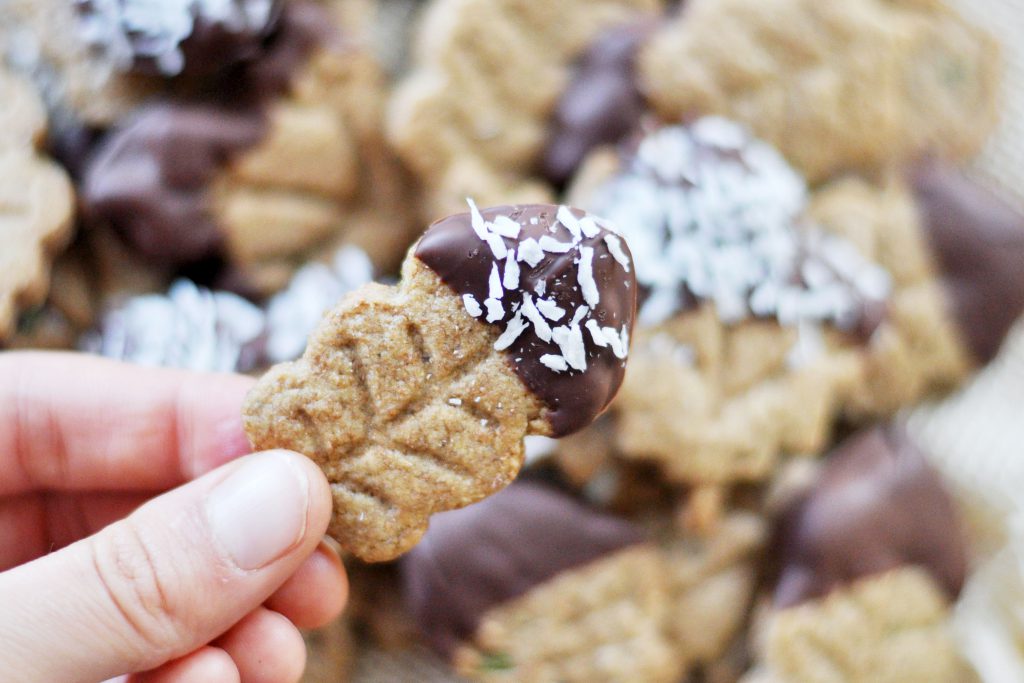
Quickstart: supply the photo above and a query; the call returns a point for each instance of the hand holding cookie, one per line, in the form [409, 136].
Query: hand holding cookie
[129, 544]
[415, 399]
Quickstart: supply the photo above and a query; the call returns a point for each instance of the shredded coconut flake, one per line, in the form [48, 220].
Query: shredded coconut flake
[551, 245]
[585, 276]
[540, 326]
[511, 276]
[477, 220]
[506, 227]
[530, 252]
[495, 311]
[550, 309]
[616, 250]
[566, 218]
[516, 326]
[472, 305]
[553, 362]
[494, 288]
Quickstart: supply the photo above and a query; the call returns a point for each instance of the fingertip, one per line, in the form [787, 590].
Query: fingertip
[206, 664]
[316, 593]
[320, 498]
[266, 647]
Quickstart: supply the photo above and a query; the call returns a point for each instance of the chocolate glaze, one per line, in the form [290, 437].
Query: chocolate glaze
[878, 505]
[452, 249]
[474, 559]
[978, 242]
[149, 178]
[601, 104]
[212, 46]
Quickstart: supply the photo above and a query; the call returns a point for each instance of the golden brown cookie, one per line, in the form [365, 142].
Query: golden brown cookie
[36, 202]
[890, 627]
[471, 118]
[531, 585]
[614, 606]
[281, 163]
[768, 312]
[835, 86]
[711, 582]
[415, 399]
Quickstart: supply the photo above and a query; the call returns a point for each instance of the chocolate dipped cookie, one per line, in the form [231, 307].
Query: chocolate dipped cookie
[415, 399]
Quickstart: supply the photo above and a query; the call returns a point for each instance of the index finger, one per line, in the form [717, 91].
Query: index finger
[75, 422]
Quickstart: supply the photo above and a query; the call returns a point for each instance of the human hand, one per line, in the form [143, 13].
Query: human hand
[98, 578]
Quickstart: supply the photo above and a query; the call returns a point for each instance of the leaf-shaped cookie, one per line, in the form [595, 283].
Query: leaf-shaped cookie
[462, 119]
[415, 399]
[923, 78]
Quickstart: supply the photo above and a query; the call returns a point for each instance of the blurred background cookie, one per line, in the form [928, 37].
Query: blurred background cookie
[471, 117]
[36, 202]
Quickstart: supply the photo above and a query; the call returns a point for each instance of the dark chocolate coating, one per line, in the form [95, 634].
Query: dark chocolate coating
[601, 104]
[978, 242]
[149, 180]
[210, 48]
[476, 558]
[574, 398]
[877, 505]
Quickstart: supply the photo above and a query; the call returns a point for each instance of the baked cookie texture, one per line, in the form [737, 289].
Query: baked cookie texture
[868, 561]
[415, 400]
[711, 578]
[891, 627]
[769, 311]
[37, 202]
[834, 86]
[286, 170]
[471, 118]
[534, 585]
[531, 585]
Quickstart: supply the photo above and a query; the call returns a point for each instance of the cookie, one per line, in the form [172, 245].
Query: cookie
[853, 85]
[280, 163]
[37, 202]
[877, 505]
[890, 627]
[711, 580]
[471, 117]
[191, 327]
[770, 311]
[868, 561]
[532, 586]
[415, 399]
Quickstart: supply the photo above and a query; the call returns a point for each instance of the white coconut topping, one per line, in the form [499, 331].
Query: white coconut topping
[530, 252]
[616, 250]
[472, 305]
[535, 312]
[585, 276]
[550, 309]
[553, 362]
[516, 326]
[712, 213]
[495, 311]
[126, 29]
[510, 279]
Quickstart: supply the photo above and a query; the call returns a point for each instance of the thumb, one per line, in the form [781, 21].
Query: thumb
[169, 578]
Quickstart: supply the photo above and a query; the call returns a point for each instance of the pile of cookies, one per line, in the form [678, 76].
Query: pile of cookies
[600, 316]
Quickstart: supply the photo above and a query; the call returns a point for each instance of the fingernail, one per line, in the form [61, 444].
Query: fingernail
[258, 513]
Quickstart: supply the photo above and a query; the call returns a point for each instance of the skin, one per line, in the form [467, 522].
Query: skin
[107, 568]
